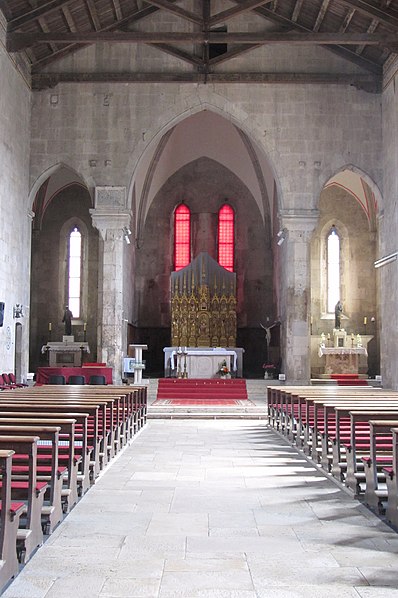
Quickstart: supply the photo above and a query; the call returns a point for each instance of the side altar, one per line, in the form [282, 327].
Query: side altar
[343, 354]
[203, 321]
[65, 353]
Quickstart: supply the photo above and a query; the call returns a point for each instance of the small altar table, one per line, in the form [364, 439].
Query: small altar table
[342, 360]
[65, 354]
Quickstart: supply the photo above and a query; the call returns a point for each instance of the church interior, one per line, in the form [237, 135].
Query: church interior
[200, 191]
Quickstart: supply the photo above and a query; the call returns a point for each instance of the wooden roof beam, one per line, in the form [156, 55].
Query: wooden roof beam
[345, 53]
[93, 14]
[118, 10]
[19, 41]
[321, 15]
[368, 82]
[296, 10]
[177, 10]
[69, 19]
[34, 14]
[388, 17]
[225, 15]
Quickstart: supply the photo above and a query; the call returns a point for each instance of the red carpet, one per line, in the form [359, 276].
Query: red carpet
[174, 391]
[349, 380]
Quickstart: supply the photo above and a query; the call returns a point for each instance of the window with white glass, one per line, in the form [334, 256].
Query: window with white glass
[74, 272]
[333, 269]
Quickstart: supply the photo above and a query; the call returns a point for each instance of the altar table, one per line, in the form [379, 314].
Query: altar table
[203, 362]
[342, 360]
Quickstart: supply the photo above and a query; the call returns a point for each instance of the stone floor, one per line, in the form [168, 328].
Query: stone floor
[214, 509]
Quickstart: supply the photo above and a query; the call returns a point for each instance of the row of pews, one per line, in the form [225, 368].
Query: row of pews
[352, 433]
[54, 442]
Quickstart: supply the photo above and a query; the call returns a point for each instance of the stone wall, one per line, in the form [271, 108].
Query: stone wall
[388, 275]
[15, 222]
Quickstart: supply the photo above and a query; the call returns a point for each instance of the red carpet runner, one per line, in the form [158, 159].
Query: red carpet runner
[181, 392]
[349, 380]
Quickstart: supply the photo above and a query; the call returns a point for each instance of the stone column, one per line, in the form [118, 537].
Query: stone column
[295, 296]
[111, 218]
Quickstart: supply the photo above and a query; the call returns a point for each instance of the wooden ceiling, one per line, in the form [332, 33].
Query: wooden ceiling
[362, 32]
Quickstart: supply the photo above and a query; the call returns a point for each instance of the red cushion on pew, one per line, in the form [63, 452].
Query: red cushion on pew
[15, 506]
[16, 485]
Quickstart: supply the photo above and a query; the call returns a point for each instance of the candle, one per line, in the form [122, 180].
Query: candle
[85, 326]
[49, 326]
[365, 320]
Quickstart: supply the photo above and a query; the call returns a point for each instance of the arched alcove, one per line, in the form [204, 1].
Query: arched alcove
[204, 185]
[61, 203]
[347, 203]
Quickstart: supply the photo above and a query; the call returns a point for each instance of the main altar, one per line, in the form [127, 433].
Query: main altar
[203, 321]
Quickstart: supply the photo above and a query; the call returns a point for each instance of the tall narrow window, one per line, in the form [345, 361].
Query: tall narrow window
[333, 269]
[74, 272]
[182, 237]
[226, 237]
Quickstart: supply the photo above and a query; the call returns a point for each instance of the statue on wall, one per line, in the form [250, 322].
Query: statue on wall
[67, 319]
[338, 312]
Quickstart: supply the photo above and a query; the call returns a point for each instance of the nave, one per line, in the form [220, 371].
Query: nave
[213, 509]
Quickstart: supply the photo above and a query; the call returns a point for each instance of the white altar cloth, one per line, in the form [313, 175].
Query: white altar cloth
[213, 352]
[342, 351]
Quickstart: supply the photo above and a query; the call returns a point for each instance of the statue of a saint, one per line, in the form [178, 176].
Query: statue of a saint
[67, 319]
[338, 311]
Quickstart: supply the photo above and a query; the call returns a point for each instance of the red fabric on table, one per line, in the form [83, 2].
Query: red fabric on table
[43, 373]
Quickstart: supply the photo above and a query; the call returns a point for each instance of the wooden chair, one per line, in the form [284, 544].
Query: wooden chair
[56, 379]
[79, 380]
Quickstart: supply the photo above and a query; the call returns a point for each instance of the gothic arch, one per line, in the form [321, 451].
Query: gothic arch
[150, 164]
[217, 105]
[55, 169]
[361, 174]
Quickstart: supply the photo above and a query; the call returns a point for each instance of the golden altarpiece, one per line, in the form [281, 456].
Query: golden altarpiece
[203, 305]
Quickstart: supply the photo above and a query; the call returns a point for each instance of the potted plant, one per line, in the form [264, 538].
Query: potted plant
[269, 371]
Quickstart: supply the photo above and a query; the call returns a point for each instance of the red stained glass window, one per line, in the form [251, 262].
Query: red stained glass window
[226, 236]
[182, 237]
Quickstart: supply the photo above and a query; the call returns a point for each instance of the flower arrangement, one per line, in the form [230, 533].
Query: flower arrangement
[223, 369]
[269, 370]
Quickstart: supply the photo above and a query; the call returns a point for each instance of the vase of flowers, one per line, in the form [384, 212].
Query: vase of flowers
[269, 371]
[223, 370]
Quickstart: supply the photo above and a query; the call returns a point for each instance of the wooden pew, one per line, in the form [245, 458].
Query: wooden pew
[10, 512]
[31, 492]
[49, 471]
[77, 464]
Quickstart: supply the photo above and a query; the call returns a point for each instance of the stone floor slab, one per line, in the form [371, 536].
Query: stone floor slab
[214, 509]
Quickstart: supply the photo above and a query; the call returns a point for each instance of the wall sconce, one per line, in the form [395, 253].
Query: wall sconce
[18, 310]
[281, 236]
[126, 234]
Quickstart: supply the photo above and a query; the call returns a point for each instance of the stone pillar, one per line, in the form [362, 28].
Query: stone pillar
[111, 218]
[295, 296]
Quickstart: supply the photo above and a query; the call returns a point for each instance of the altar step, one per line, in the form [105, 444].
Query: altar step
[206, 412]
[202, 389]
